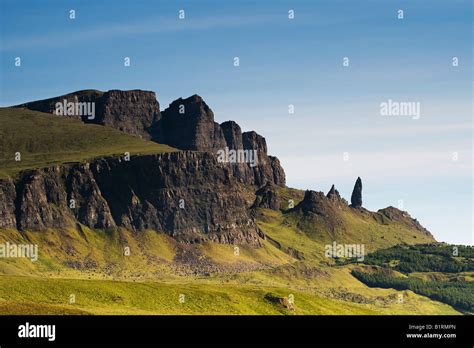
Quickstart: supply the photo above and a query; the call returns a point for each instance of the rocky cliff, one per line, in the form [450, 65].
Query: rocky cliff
[187, 124]
[188, 195]
[134, 112]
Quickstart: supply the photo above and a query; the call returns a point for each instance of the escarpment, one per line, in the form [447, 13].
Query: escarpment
[194, 195]
[188, 195]
[210, 190]
[134, 112]
[187, 124]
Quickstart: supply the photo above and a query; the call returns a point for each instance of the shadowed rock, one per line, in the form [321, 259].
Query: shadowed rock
[356, 197]
[134, 112]
[188, 124]
[333, 194]
[267, 197]
[318, 210]
[148, 192]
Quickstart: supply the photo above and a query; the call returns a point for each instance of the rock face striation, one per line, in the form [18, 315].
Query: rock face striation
[187, 195]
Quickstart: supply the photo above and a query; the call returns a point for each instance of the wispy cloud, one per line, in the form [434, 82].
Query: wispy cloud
[150, 26]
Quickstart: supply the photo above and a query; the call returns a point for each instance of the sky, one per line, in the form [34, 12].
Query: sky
[337, 132]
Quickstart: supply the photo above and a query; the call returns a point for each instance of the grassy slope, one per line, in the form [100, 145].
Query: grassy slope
[153, 287]
[44, 139]
[359, 228]
[89, 254]
[113, 297]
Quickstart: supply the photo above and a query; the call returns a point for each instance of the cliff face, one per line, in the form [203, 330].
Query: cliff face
[187, 195]
[187, 124]
[134, 112]
[192, 196]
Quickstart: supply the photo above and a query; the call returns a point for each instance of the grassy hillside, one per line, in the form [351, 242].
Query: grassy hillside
[310, 238]
[80, 252]
[51, 296]
[214, 279]
[44, 139]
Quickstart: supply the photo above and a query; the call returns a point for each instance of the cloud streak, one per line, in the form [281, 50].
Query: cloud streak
[151, 26]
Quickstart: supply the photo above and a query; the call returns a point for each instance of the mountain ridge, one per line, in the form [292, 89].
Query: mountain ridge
[189, 194]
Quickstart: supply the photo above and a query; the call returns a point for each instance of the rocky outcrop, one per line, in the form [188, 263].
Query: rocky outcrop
[187, 195]
[57, 196]
[263, 171]
[333, 194]
[192, 196]
[320, 211]
[232, 135]
[7, 204]
[314, 203]
[267, 197]
[187, 124]
[404, 218]
[356, 197]
[134, 112]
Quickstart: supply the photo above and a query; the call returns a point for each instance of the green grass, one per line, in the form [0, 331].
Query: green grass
[146, 282]
[287, 194]
[112, 297]
[99, 254]
[275, 225]
[44, 140]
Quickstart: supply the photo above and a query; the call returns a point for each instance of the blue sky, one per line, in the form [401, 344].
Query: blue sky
[282, 62]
